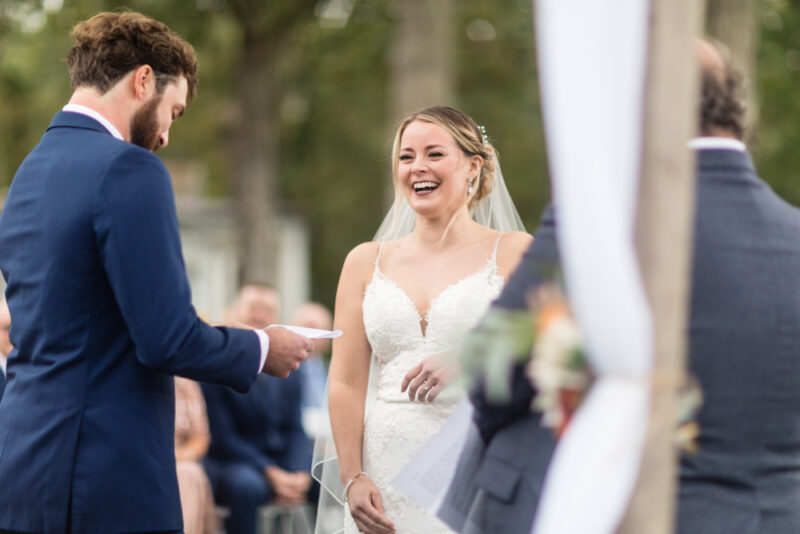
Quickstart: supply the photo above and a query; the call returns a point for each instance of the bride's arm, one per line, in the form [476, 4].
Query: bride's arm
[347, 388]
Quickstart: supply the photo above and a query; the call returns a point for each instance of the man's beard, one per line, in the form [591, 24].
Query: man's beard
[144, 126]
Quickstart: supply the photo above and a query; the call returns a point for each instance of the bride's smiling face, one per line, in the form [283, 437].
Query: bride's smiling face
[433, 172]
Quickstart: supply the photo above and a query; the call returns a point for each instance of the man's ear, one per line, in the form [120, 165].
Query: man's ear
[144, 82]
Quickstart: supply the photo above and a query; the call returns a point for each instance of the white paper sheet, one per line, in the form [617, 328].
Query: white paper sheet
[311, 333]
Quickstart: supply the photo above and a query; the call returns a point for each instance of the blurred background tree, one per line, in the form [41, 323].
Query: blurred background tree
[298, 100]
[736, 24]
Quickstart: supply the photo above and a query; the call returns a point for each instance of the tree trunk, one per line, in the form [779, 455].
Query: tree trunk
[255, 151]
[266, 28]
[421, 57]
[735, 24]
[664, 230]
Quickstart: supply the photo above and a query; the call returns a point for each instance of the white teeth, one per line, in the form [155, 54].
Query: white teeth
[424, 185]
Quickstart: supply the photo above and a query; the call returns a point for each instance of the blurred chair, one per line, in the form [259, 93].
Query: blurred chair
[278, 519]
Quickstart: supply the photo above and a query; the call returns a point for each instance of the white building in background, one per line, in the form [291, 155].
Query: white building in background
[208, 234]
[209, 240]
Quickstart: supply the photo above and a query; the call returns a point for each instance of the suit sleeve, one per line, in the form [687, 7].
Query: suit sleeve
[537, 267]
[137, 238]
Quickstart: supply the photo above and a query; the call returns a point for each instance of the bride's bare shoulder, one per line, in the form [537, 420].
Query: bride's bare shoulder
[512, 247]
[516, 242]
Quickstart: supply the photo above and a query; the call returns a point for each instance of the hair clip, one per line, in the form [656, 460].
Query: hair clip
[484, 138]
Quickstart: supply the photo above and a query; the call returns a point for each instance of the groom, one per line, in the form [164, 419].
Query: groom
[744, 347]
[101, 307]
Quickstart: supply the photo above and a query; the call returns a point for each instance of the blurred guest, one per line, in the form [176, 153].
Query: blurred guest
[313, 371]
[256, 303]
[743, 344]
[5, 343]
[191, 445]
[259, 452]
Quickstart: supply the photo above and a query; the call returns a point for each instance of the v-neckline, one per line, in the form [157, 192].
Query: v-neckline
[423, 329]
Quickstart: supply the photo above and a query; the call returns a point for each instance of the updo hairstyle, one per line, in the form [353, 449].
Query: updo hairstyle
[468, 137]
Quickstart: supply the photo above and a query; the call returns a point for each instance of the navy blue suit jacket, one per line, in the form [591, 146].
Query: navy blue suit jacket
[263, 427]
[90, 250]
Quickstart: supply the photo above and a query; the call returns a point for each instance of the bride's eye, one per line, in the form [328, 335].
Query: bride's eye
[406, 157]
[436, 155]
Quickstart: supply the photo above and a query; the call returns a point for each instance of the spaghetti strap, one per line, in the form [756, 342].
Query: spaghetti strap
[494, 252]
[378, 257]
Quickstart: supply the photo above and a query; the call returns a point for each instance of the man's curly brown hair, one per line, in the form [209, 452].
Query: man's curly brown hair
[110, 45]
[721, 103]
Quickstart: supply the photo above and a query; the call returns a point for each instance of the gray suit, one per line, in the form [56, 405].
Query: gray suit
[744, 347]
[503, 463]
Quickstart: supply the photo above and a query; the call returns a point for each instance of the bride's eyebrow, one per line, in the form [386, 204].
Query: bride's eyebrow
[429, 147]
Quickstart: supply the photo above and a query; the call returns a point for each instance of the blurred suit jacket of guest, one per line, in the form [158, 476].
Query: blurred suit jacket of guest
[744, 347]
[502, 466]
[102, 319]
[260, 428]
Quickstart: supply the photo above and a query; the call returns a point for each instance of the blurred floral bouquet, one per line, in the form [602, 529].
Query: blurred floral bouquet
[557, 367]
[545, 339]
[561, 375]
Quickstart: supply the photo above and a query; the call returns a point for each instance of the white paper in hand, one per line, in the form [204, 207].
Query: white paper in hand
[311, 333]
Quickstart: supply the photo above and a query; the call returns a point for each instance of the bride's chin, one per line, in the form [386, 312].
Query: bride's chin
[428, 211]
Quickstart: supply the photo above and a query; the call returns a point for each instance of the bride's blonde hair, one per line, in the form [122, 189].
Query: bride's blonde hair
[469, 138]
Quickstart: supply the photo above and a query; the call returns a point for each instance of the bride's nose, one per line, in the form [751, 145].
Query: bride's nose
[418, 166]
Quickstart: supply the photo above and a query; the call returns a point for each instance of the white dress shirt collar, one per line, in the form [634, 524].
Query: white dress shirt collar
[89, 112]
[717, 143]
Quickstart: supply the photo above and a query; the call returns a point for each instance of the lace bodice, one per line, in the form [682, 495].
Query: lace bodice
[393, 328]
[395, 427]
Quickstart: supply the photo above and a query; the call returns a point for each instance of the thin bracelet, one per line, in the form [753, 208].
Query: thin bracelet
[350, 483]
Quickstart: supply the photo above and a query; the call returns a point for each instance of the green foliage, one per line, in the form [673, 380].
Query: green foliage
[335, 131]
[778, 136]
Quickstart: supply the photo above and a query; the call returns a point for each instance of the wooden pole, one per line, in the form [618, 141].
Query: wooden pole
[663, 239]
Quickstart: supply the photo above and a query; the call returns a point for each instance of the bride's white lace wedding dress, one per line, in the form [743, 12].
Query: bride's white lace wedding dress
[395, 427]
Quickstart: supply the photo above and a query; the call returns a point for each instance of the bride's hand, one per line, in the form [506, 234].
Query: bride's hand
[367, 509]
[429, 377]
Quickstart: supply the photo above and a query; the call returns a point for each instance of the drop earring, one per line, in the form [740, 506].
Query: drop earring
[469, 189]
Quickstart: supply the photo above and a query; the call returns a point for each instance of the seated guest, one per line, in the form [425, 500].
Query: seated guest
[5, 343]
[191, 445]
[259, 452]
[313, 370]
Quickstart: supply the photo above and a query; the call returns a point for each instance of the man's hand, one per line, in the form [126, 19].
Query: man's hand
[289, 489]
[286, 351]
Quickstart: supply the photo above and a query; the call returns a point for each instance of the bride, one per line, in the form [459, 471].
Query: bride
[408, 298]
